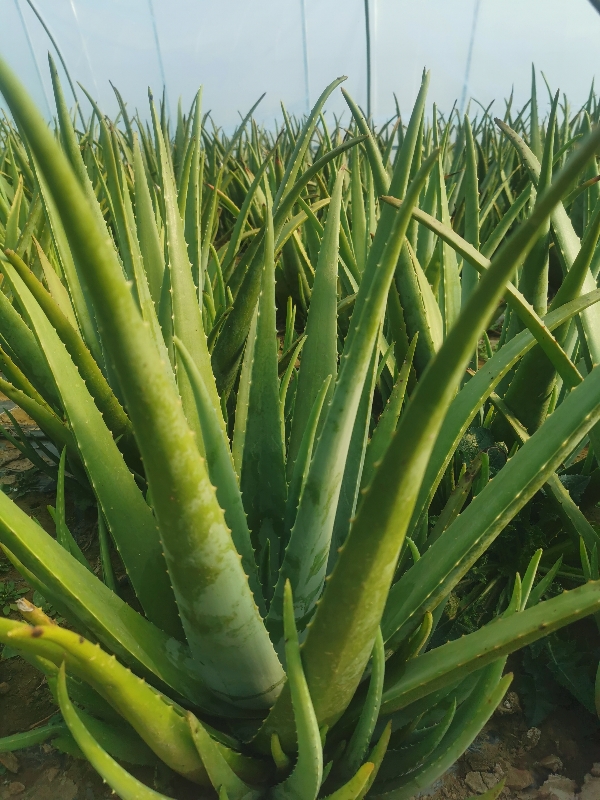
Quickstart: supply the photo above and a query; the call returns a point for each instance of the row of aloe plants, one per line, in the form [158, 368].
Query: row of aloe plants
[259, 353]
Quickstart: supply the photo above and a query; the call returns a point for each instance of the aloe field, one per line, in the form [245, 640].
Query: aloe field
[332, 393]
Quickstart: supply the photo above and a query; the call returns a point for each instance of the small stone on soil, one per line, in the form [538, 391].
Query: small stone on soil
[4, 688]
[558, 788]
[9, 760]
[552, 763]
[12, 790]
[531, 738]
[591, 788]
[518, 778]
[475, 782]
[595, 770]
[510, 704]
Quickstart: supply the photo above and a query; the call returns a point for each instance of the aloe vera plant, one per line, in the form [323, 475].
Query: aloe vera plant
[258, 354]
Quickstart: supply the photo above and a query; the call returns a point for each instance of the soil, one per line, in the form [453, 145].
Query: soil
[560, 760]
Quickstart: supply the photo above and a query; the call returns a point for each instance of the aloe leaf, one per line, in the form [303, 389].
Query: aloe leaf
[306, 556]
[109, 406]
[444, 665]
[376, 757]
[368, 560]
[359, 220]
[572, 516]
[63, 535]
[547, 342]
[23, 344]
[20, 380]
[414, 752]
[11, 235]
[296, 159]
[151, 249]
[496, 237]
[475, 392]
[469, 275]
[567, 241]
[128, 787]
[380, 176]
[479, 524]
[262, 480]
[191, 523]
[467, 723]
[355, 786]
[187, 320]
[249, 199]
[55, 286]
[82, 303]
[46, 419]
[305, 780]
[229, 347]
[222, 475]
[193, 201]
[243, 395]
[319, 354]
[450, 285]
[357, 747]
[303, 460]
[142, 706]
[129, 517]
[218, 770]
[349, 490]
[18, 741]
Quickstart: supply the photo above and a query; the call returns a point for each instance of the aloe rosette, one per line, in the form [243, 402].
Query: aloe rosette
[271, 522]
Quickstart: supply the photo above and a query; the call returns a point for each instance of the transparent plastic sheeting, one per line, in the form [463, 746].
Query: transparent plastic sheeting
[292, 48]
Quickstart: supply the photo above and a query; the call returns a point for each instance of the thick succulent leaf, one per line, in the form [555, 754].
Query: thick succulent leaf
[220, 469]
[152, 252]
[305, 780]
[262, 480]
[319, 354]
[526, 312]
[381, 178]
[386, 426]
[55, 286]
[93, 606]
[18, 741]
[445, 665]
[412, 754]
[465, 405]
[376, 757]
[303, 460]
[160, 723]
[47, 420]
[129, 517]
[358, 745]
[82, 303]
[471, 533]
[220, 773]
[229, 347]
[23, 344]
[107, 403]
[355, 459]
[215, 602]
[334, 652]
[242, 399]
[128, 787]
[187, 319]
[296, 159]
[306, 556]
[568, 244]
[355, 786]
[467, 723]
[450, 285]
[469, 275]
